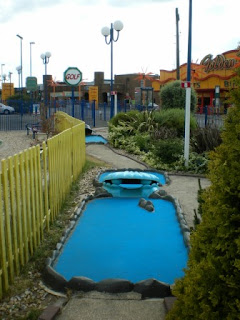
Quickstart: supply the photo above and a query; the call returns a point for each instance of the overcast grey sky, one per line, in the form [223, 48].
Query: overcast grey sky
[71, 31]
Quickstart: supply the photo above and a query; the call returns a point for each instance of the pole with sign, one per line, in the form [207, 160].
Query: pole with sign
[72, 76]
[114, 93]
[188, 90]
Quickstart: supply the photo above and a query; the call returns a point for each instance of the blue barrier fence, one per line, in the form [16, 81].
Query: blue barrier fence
[92, 114]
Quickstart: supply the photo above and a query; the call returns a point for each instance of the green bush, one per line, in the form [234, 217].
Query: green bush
[197, 163]
[211, 285]
[206, 139]
[173, 95]
[168, 151]
[130, 117]
[174, 119]
[143, 142]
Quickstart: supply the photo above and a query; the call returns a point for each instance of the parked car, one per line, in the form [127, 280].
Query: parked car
[6, 109]
[153, 106]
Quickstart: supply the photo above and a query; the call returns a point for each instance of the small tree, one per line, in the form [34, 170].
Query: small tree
[211, 286]
[172, 95]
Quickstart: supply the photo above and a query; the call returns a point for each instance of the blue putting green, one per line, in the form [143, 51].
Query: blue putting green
[95, 139]
[115, 238]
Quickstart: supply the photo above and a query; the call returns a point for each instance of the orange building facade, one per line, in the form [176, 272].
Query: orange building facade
[212, 78]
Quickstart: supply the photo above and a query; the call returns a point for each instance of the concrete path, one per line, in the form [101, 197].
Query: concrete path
[103, 306]
[117, 161]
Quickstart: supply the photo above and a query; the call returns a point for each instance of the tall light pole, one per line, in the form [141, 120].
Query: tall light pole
[19, 74]
[21, 39]
[177, 46]
[188, 89]
[45, 57]
[117, 26]
[3, 64]
[31, 43]
[10, 79]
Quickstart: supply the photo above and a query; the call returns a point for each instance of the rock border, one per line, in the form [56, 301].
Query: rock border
[148, 288]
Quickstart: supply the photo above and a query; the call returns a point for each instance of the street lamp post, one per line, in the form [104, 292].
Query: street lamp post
[21, 39]
[45, 57]
[3, 64]
[4, 77]
[117, 26]
[10, 80]
[19, 74]
[31, 43]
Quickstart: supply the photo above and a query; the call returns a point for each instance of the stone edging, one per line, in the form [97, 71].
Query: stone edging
[148, 288]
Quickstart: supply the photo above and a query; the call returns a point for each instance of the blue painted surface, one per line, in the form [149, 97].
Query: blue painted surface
[131, 183]
[95, 139]
[159, 175]
[115, 238]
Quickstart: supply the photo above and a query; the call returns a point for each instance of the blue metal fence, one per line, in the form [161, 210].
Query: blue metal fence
[94, 115]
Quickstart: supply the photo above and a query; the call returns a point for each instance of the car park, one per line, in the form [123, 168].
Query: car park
[6, 109]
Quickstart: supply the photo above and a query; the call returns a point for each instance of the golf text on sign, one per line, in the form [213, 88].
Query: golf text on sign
[72, 76]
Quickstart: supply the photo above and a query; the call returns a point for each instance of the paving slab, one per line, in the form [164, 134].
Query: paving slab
[115, 307]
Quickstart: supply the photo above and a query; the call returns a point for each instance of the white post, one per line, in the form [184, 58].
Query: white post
[187, 125]
[115, 104]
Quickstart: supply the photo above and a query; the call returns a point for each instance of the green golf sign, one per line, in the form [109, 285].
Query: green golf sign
[72, 76]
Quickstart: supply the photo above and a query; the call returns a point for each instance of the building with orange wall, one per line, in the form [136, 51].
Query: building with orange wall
[211, 75]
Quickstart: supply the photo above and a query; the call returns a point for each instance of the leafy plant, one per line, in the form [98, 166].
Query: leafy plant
[173, 95]
[211, 285]
[206, 139]
[168, 151]
[143, 142]
[174, 119]
[126, 118]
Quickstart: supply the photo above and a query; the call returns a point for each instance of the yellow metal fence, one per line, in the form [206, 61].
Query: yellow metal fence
[33, 186]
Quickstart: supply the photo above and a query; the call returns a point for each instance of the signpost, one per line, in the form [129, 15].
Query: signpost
[93, 94]
[72, 76]
[7, 90]
[114, 93]
[185, 84]
[31, 84]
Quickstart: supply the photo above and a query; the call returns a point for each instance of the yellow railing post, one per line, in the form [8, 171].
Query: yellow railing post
[7, 219]
[32, 192]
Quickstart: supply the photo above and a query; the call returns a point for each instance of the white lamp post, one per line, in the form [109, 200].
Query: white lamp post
[19, 73]
[21, 39]
[31, 43]
[117, 26]
[45, 57]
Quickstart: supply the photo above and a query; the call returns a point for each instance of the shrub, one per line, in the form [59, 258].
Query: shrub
[168, 151]
[143, 142]
[128, 118]
[197, 163]
[173, 95]
[164, 133]
[205, 139]
[174, 119]
[211, 285]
